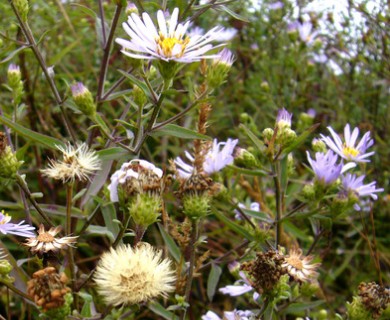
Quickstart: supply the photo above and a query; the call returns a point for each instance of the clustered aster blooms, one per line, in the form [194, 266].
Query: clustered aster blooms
[229, 315]
[215, 159]
[168, 42]
[78, 163]
[127, 275]
[20, 229]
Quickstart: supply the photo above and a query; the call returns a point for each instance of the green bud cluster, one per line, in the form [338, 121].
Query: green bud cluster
[196, 206]
[281, 290]
[22, 8]
[319, 146]
[216, 74]
[9, 163]
[14, 78]
[145, 209]
[245, 159]
[284, 137]
[62, 312]
[5, 268]
[139, 96]
[305, 120]
[357, 311]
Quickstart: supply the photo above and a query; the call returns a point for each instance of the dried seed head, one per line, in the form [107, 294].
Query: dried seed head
[375, 297]
[48, 288]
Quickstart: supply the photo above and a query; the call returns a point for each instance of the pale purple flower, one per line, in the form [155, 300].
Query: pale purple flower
[78, 89]
[284, 118]
[219, 156]
[276, 5]
[348, 149]
[353, 183]
[311, 113]
[127, 171]
[168, 41]
[13, 68]
[325, 166]
[20, 229]
[229, 315]
[254, 206]
[242, 286]
[225, 57]
[305, 32]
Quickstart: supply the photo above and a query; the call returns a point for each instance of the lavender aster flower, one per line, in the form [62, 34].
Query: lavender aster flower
[243, 286]
[276, 5]
[225, 57]
[229, 315]
[305, 32]
[168, 42]
[354, 184]
[347, 149]
[284, 118]
[215, 160]
[20, 229]
[325, 166]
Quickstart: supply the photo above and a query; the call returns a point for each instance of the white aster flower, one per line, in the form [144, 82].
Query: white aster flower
[167, 42]
[241, 287]
[348, 149]
[78, 163]
[230, 315]
[20, 229]
[127, 275]
[215, 160]
[300, 267]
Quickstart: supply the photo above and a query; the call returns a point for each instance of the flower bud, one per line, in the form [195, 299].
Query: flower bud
[244, 158]
[264, 86]
[285, 137]
[22, 8]
[9, 163]
[139, 96]
[219, 69]
[130, 8]
[61, 312]
[308, 192]
[196, 206]
[145, 209]
[319, 146]
[5, 268]
[268, 133]
[167, 69]
[83, 99]
[357, 311]
[15, 82]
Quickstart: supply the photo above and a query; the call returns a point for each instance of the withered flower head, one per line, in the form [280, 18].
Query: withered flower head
[127, 275]
[375, 297]
[299, 267]
[48, 288]
[46, 241]
[265, 271]
[78, 163]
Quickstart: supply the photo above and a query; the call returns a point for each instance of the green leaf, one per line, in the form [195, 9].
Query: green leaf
[114, 153]
[170, 243]
[256, 141]
[86, 311]
[180, 132]
[295, 231]
[213, 280]
[109, 214]
[85, 9]
[58, 57]
[118, 94]
[262, 216]
[250, 172]
[30, 135]
[12, 54]
[302, 306]
[300, 139]
[161, 311]
[233, 226]
[233, 14]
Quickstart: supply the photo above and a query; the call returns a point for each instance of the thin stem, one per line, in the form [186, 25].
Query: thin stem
[375, 253]
[115, 85]
[263, 308]
[121, 232]
[139, 233]
[8, 306]
[194, 238]
[316, 239]
[17, 291]
[101, 10]
[24, 187]
[34, 47]
[139, 4]
[89, 219]
[106, 54]
[187, 9]
[279, 203]
[69, 195]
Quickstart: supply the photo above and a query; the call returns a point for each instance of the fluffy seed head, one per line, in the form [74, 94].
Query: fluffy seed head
[127, 275]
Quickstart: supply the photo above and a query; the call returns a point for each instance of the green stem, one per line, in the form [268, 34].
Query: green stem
[121, 232]
[69, 195]
[24, 187]
[279, 203]
[17, 291]
[190, 276]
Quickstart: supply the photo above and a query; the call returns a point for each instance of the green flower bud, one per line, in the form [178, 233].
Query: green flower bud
[9, 163]
[268, 133]
[285, 136]
[357, 311]
[196, 206]
[244, 158]
[308, 192]
[15, 82]
[219, 69]
[145, 209]
[5, 267]
[167, 69]
[264, 86]
[323, 315]
[139, 96]
[22, 8]
[130, 8]
[290, 164]
[319, 146]
[62, 312]
[83, 99]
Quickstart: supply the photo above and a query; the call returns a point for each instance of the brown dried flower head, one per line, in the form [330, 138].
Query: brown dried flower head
[265, 271]
[375, 297]
[300, 267]
[46, 241]
[48, 288]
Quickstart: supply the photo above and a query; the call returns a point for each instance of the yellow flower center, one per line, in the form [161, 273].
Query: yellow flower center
[295, 262]
[6, 218]
[45, 237]
[167, 45]
[350, 152]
